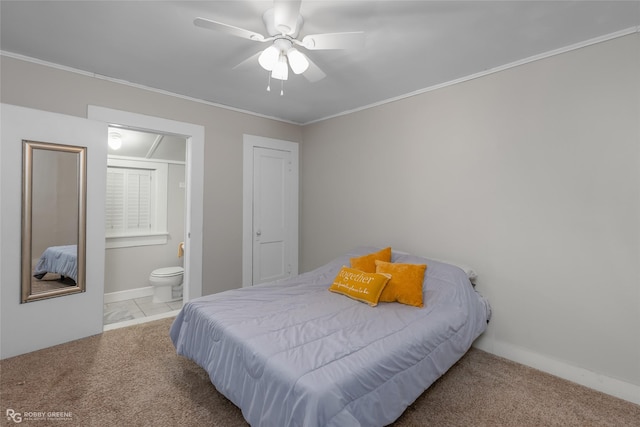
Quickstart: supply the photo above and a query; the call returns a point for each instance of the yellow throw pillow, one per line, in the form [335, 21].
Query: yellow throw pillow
[405, 285]
[361, 286]
[367, 263]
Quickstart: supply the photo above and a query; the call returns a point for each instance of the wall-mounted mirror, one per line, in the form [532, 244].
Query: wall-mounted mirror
[54, 182]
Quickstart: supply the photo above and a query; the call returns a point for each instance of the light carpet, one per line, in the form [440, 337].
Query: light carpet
[133, 377]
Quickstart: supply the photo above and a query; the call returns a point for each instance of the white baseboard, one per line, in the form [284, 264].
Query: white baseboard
[602, 383]
[128, 294]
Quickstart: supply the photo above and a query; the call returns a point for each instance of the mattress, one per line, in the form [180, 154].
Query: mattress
[61, 260]
[291, 353]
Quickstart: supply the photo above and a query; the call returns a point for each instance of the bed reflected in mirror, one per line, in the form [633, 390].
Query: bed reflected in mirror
[53, 220]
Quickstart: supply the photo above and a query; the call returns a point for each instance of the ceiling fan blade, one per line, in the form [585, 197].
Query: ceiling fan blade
[285, 15]
[249, 62]
[229, 29]
[313, 73]
[350, 40]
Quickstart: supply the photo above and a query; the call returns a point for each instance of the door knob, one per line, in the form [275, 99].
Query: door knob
[258, 233]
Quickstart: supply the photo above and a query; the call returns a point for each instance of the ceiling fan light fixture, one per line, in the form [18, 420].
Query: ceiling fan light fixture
[298, 62]
[281, 70]
[283, 23]
[269, 58]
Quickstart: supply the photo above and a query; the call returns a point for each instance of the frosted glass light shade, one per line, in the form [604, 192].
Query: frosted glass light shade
[298, 62]
[115, 140]
[281, 70]
[269, 58]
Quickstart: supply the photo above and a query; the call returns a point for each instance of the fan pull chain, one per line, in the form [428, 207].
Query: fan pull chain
[269, 83]
[281, 87]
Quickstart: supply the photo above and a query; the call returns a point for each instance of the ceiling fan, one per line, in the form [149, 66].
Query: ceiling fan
[283, 23]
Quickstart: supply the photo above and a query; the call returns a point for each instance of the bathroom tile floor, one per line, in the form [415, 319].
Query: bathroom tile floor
[136, 308]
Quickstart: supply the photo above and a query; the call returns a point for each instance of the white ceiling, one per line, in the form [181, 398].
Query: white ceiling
[410, 45]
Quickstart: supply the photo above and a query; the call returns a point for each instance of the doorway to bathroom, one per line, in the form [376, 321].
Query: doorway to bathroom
[145, 227]
[188, 188]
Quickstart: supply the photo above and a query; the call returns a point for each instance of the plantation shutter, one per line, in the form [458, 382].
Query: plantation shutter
[138, 200]
[129, 200]
[115, 200]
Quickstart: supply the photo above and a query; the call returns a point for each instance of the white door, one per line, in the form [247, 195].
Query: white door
[38, 324]
[271, 199]
[271, 191]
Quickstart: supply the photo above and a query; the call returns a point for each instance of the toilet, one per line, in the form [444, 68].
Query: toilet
[167, 284]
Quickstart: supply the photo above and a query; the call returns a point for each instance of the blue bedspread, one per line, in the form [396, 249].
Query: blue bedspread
[61, 260]
[291, 353]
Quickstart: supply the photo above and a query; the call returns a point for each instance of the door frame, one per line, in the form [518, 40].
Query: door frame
[194, 170]
[249, 143]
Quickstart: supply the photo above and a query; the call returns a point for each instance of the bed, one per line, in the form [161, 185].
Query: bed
[62, 260]
[291, 353]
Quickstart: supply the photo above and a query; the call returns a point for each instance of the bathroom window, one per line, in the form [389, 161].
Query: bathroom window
[136, 205]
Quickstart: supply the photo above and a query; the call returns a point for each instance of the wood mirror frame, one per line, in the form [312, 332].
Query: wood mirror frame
[54, 182]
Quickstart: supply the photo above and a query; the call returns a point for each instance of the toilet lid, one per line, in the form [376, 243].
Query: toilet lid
[167, 271]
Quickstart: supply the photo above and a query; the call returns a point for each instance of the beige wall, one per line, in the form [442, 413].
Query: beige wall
[529, 175]
[44, 88]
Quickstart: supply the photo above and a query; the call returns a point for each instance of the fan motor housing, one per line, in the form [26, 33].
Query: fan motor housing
[268, 18]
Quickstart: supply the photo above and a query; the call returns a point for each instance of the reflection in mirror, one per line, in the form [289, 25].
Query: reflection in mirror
[53, 220]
